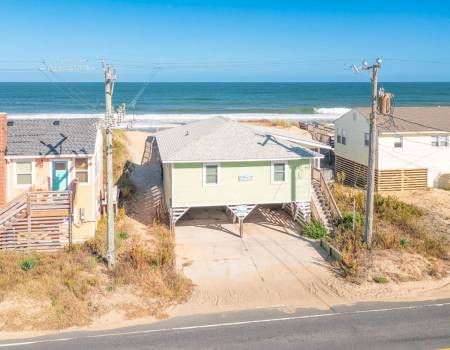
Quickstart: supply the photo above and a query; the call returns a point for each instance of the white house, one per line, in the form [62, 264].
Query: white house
[412, 147]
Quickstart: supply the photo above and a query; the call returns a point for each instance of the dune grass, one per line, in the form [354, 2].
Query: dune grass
[397, 225]
[72, 287]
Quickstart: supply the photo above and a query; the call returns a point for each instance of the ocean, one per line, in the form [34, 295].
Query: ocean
[167, 103]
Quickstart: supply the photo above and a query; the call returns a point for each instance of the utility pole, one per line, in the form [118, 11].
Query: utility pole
[372, 151]
[110, 77]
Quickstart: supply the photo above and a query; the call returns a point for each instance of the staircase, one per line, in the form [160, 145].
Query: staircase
[14, 210]
[321, 206]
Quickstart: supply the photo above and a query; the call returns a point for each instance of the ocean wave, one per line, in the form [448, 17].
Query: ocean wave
[152, 120]
[334, 110]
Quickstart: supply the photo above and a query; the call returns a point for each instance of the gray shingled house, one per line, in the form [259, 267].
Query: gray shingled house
[50, 164]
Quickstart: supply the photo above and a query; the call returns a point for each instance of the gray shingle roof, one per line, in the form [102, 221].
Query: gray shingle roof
[41, 137]
[222, 139]
[412, 119]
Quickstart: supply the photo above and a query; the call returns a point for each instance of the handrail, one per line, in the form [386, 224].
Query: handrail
[334, 209]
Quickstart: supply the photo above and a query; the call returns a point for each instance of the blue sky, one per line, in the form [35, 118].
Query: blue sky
[226, 40]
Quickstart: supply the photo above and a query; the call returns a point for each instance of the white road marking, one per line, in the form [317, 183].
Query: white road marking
[229, 324]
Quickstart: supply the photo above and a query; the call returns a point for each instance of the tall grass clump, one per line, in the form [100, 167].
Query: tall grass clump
[314, 229]
[397, 225]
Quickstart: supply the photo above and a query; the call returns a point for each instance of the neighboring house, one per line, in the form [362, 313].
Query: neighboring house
[220, 162]
[47, 161]
[412, 147]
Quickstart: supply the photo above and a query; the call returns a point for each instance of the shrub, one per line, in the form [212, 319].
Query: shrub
[404, 242]
[347, 220]
[123, 235]
[29, 263]
[380, 279]
[315, 229]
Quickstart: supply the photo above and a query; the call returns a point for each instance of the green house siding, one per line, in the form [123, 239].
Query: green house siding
[190, 190]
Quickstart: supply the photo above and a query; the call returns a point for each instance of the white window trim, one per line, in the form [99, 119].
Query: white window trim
[368, 139]
[272, 171]
[395, 141]
[89, 171]
[438, 141]
[344, 137]
[204, 174]
[33, 173]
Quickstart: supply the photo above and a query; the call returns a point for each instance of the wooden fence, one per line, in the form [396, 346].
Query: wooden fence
[385, 180]
[37, 221]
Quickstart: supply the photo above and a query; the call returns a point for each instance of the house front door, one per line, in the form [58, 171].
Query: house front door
[60, 175]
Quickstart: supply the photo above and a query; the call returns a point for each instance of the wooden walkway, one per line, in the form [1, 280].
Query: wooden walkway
[147, 177]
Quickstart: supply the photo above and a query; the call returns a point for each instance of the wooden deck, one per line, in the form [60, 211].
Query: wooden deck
[37, 221]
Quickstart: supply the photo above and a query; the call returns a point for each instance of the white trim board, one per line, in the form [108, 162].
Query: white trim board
[239, 160]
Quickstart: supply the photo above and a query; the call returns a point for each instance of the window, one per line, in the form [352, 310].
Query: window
[344, 137]
[443, 141]
[82, 170]
[24, 172]
[398, 141]
[366, 139]
[339, 135]
[279, 172]
[439, 141]
[211, 174]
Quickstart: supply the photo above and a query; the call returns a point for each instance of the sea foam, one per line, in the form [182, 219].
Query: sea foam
[155, 120]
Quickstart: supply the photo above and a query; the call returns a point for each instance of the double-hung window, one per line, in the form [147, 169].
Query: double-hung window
[339, 135]
[439, 141]
[398, 141]
[211, 174]
[344, 137]
[366, 139]
[24, 172]
[82, 170]
[279, 172]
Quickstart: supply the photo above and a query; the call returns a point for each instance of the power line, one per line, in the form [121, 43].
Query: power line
[66, 91]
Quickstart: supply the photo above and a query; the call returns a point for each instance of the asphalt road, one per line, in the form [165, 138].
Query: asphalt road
[421, 325]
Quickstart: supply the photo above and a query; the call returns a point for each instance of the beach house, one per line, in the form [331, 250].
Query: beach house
[412, 148]
[221, 162]
[50, 181]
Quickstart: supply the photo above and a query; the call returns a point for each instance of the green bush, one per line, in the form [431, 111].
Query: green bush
[380, 279]
[404, 242]
[315, 229]
[123, 235]
[28, 264]
[347, 220]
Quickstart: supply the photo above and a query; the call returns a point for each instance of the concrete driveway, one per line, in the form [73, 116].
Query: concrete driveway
[270, 267]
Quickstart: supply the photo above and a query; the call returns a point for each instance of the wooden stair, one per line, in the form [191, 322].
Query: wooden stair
[322, 206]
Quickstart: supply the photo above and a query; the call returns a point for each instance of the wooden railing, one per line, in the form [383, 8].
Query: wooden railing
[38, 221]
[335, 212]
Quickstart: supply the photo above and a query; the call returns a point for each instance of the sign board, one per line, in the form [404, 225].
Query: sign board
[241, 211]
[245, 177]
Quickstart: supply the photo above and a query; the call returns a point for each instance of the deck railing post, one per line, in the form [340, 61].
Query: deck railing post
[29, 221]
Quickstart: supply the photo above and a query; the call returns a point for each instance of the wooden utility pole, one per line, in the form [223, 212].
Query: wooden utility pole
[373, 139]
[109, 87]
